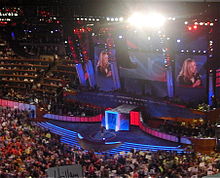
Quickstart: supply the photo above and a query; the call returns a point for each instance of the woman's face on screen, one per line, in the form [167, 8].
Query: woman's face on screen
[192, 67]
[105, 57]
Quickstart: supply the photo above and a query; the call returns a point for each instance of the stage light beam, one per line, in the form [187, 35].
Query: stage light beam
[154, 20]
[136, 20]
[151, 20]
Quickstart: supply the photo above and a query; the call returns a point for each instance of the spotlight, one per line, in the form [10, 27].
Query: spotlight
[120, 36]
[178, 41]
[136, 19]
[201, 23]
[195, 27]
[150, 20]
[185, 22]
[155, 20]
[189, 28]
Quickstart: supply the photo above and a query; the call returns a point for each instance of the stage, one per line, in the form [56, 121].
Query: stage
[90, 131]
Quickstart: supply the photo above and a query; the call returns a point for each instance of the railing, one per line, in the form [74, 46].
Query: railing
[97, 118]
[18, 105]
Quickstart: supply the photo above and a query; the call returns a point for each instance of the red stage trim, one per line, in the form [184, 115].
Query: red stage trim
[97, 118]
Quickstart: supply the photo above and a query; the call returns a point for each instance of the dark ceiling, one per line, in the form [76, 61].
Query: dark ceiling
[124, 7]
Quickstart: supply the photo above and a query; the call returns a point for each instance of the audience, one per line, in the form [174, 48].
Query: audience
[196, 129]
[27, 151]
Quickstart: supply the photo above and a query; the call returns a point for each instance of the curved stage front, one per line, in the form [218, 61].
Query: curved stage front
[123, 141]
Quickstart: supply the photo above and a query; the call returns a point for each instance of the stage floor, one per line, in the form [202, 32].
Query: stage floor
[135, 135]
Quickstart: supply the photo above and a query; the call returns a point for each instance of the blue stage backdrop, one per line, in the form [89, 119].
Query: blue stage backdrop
[81, 74]
[90, 72]
[191, 89]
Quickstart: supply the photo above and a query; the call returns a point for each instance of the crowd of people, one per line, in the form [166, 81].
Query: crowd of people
[27, 150]
[5, 51]
[196, 129]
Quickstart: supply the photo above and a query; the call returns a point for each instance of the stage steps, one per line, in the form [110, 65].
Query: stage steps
[70, 137]
[67, 136]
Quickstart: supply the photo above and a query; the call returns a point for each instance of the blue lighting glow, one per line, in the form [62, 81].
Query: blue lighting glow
[70, 137]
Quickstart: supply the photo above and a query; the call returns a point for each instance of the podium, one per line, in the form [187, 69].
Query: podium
[118, 118]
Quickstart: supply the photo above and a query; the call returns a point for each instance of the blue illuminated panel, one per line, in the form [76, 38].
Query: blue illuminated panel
[116, 121]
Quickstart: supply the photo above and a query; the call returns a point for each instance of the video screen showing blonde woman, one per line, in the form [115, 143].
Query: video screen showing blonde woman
[102, 65]
[189, 74]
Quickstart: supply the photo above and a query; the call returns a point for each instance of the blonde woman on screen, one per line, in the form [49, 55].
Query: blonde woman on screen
[103, 65]
[189, 75]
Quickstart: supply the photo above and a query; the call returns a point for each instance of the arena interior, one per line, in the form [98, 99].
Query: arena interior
[119, 89]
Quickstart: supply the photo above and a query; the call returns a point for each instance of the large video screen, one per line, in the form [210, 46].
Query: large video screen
[141, 63]
[190, 78]
[103, 59]
[140, 60]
